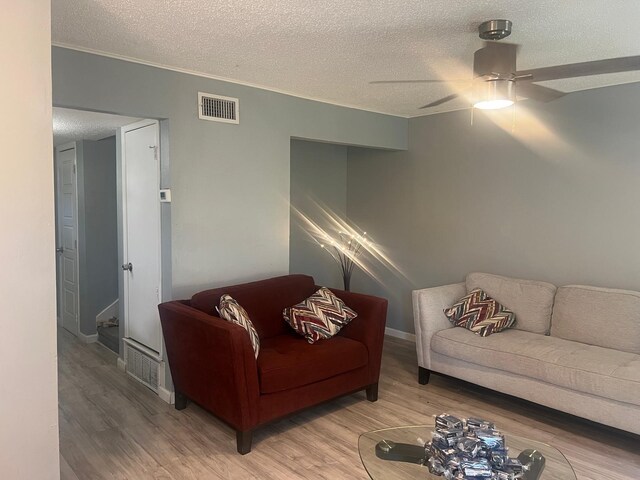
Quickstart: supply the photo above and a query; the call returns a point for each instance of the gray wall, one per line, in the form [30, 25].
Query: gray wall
[230, 183]
[555, 200]
[318, 186]
[97, 229]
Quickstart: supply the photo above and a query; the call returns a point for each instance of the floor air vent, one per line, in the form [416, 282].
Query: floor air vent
[218, 108]
[142, 365]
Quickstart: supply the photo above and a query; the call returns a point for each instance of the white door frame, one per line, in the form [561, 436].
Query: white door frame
[59, 241]
[125, 258]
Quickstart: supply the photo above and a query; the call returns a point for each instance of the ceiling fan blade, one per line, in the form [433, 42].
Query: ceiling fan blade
[538, 92]
[441, 101]
[584, 69]
[418, 81]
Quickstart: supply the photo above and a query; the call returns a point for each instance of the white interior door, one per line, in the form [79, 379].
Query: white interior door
[67, 245]
[141, 232]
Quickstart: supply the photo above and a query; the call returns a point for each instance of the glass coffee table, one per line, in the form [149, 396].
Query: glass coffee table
[556, 465]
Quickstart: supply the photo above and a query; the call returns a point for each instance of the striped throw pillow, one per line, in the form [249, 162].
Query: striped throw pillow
[320, 316]
[230, 310]
[480, 313]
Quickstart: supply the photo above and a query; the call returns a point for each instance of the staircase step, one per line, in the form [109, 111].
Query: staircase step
[109, 337]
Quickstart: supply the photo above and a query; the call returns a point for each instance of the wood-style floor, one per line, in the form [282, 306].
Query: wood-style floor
[111, 427]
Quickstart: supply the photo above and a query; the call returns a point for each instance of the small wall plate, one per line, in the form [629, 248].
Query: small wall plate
[165, 195]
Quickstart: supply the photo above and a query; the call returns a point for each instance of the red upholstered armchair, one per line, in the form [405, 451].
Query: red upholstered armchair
[213, 364]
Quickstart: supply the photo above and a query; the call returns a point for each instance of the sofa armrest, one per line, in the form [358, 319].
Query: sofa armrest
[429, 317]
[212, 362]
[368, 327]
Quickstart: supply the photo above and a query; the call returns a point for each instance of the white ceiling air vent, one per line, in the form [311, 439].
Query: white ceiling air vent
[218, 108]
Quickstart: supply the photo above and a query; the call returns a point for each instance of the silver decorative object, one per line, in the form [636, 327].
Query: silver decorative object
[534, 462]
[448, 422]
[473, 449]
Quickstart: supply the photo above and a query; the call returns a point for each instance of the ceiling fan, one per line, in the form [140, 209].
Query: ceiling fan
[496, 77]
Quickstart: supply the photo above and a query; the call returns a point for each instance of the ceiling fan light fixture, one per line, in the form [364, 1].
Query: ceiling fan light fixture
[494, 93]
[493, 104]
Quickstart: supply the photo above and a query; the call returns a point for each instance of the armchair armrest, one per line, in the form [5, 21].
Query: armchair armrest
[429, 317]
[212, 362]
[368, 327]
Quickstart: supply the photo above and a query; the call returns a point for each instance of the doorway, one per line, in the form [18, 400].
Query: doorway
[67, 235]
[108, 211]
[140, 224]
[122, 239]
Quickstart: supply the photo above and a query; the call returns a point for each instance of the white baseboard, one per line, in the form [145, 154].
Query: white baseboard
[166, 395]
[392, 332]
[121, 364]
[87, 338]
[109, 312]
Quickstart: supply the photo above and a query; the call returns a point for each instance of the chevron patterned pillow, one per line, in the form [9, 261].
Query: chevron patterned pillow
[320, 316]
[230, 310]
[480, 313]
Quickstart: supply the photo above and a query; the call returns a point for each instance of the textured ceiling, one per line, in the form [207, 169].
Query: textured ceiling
[329, 50]
[72, 125]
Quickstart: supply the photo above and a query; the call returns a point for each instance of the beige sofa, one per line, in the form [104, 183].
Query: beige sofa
[573, 348]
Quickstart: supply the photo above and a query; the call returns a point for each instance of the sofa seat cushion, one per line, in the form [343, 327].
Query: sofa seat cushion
[586, 368]
[289, 361]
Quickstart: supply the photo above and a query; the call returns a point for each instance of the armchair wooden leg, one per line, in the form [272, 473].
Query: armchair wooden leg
[243, 441]
[372, 392]
[180, 400]
[423, 375]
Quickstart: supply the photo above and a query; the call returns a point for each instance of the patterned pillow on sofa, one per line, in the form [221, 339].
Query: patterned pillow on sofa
[320, 316]
[230, 310]
[480, 313]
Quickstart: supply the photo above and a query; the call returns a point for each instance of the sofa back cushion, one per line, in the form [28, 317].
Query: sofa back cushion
[598, 316]
[263, 300]
[530, 300]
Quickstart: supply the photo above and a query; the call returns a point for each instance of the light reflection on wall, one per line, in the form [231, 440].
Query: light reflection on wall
[372, 258]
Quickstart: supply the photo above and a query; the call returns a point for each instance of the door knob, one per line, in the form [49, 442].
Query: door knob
[60, 250]
[127, 266]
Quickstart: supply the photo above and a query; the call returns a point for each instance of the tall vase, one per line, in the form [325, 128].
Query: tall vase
[346, 280]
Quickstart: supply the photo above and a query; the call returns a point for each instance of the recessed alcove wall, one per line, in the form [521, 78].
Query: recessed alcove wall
[318, 185]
